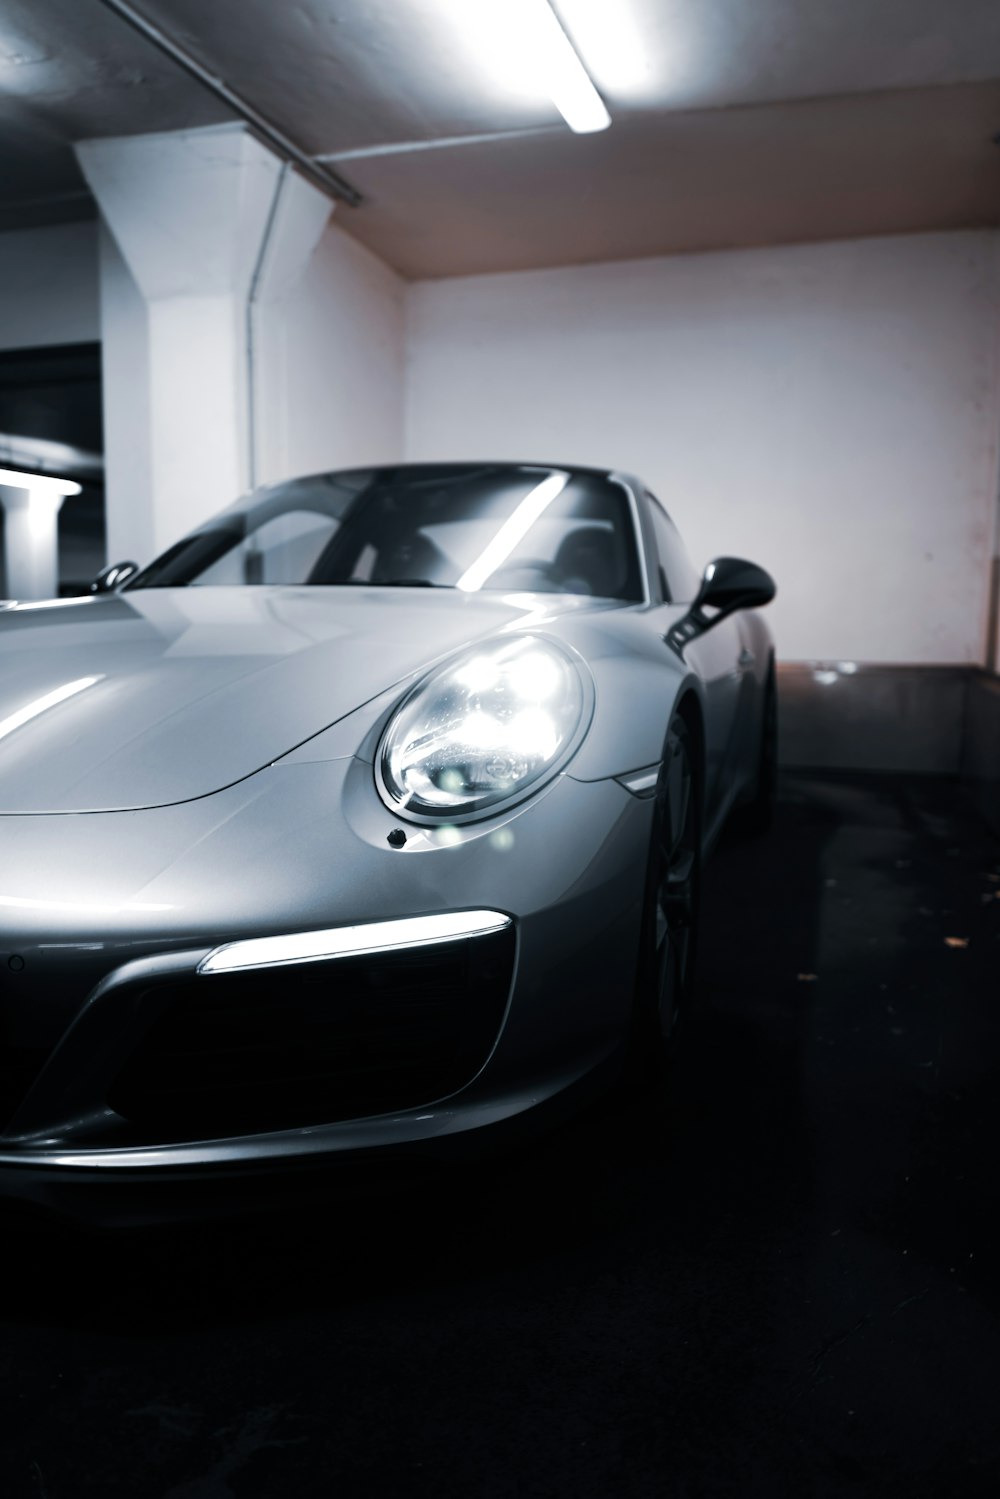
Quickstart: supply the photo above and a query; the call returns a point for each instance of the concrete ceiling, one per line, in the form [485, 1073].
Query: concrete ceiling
[735, 121]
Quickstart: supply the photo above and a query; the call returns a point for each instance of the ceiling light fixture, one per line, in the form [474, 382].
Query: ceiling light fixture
[628, 56]
[38, 483]
[558, 64]
[523, 42]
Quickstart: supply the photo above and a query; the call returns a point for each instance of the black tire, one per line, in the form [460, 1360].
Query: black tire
[669, 933]
[756, 816]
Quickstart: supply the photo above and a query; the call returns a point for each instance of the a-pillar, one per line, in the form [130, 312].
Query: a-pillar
[201, 229]
[31, 506]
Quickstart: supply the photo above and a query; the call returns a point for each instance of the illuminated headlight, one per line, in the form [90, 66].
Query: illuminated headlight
[484, 730]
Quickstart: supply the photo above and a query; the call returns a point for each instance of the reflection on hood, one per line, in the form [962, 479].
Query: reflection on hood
[153, 697]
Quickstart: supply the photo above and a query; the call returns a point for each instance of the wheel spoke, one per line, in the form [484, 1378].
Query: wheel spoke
[675, 893]
[677, 804]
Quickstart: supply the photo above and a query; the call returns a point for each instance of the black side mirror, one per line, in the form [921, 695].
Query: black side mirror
[730, 583]
[111, 579]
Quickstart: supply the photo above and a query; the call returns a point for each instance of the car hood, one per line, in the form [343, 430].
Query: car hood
[158, 696]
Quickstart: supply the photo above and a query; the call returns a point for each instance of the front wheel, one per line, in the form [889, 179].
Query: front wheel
[669, 932]
[757, 816]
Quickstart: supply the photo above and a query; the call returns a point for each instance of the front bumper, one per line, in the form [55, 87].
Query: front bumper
[111, 909]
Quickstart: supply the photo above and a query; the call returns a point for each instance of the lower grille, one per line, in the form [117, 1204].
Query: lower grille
[283, 1047]
[19, 1066]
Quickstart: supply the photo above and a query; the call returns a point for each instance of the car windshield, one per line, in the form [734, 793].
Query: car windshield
[497, 526]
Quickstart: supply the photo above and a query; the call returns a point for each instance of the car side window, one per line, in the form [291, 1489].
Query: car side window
[679, 581]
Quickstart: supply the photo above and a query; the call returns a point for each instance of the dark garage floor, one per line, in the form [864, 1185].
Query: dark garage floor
[787, 1285]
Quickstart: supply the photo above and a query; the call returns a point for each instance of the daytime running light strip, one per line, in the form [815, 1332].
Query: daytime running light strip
[352, 941]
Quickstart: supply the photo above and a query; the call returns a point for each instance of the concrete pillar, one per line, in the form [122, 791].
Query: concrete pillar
[203, 228]
[31, 538]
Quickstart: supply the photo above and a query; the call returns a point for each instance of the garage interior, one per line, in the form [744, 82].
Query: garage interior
[243, 241]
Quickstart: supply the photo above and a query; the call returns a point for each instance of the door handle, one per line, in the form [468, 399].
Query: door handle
[746, 659]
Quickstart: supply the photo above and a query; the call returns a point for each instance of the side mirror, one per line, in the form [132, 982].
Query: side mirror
[111, 579]
[730, 583]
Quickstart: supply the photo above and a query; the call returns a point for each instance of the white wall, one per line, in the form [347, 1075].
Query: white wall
[49, 286]
[329, 357]
[828, 410]
[332, 364]
[127, 434]
[831, 410]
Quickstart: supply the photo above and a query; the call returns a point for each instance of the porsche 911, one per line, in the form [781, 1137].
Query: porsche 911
[365, 821]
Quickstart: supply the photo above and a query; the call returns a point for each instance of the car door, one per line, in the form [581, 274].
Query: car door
[716, 657]
[721, 661]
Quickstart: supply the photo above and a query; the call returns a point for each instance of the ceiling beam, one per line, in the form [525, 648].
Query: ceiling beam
[321, 175]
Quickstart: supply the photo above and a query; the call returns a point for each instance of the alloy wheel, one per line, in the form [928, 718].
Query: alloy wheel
[677, 855]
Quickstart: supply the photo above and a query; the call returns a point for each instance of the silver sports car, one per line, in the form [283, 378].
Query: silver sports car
[366, 821]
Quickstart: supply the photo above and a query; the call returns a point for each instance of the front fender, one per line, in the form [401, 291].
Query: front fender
[634, 707]
[638, 681]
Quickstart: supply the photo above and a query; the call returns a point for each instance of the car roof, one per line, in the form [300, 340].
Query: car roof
[428, 469]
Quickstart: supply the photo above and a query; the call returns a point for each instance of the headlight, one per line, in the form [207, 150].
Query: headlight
[483, 731]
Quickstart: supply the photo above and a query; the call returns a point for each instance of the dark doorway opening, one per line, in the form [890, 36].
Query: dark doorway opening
[54, 395]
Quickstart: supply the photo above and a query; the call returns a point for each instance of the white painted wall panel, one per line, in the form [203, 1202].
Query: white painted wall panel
[329, 363]
[829, 410]
[128, 453]
[49, 286]
[332, 364]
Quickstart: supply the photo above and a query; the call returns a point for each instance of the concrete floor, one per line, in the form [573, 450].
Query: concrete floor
[785, 1284]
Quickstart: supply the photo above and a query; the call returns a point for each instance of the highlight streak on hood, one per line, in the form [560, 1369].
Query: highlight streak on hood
[189, 690]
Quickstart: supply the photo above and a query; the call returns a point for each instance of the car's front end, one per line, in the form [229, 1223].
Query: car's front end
[483, 974]
[346, 861]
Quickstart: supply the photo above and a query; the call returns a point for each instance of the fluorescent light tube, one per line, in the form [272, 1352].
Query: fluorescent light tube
[558, 65]
[632, 59]
[38, 483]
[521, 45]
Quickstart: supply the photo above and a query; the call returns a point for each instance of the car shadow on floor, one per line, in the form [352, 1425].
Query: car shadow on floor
[723, 1146]
[775, 1278]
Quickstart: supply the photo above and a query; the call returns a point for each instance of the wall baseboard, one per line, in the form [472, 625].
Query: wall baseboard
[849, 716]
[924, 720]
[981, 745]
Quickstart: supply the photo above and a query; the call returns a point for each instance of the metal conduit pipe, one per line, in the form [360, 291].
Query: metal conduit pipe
[252, 386]
[321, 176]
